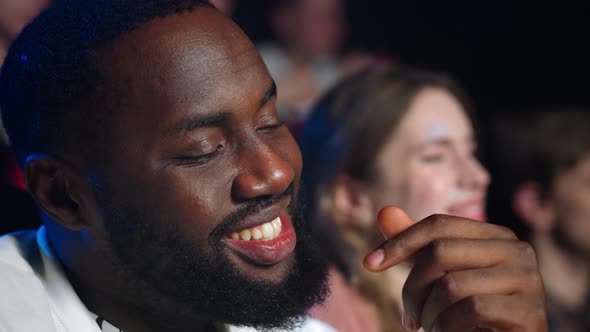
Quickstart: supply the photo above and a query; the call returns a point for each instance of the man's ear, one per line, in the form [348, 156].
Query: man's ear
[531, 205]
[352, 203]
[56, 189]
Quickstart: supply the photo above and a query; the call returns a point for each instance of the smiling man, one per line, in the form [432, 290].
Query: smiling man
[167, 183]
[183, 206]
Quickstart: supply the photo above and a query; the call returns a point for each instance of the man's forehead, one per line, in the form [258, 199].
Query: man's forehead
[186, 55]
[199, 39]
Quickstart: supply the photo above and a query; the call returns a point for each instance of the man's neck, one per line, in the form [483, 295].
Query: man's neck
[129, 317]
[109, 299]
[566, 275]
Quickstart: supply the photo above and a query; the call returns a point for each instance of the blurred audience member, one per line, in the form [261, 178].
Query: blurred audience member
[541, 188]
[17, 208]
[226, 6]
[308, 58]
[385, 137]
[10, 172]
[14, 15]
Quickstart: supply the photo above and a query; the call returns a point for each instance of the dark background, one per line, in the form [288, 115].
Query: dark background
[510, 56]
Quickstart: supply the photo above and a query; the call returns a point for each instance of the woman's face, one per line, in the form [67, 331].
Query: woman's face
[428, 165]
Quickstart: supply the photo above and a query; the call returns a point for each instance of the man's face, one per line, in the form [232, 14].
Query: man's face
[197, 168]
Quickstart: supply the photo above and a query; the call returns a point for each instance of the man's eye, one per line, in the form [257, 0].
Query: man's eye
[271, 127]
[199, 159]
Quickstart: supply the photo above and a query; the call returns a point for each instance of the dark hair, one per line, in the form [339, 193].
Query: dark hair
[50, 77]
[532, 146]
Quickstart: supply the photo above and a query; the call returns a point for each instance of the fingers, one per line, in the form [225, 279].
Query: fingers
[436, 262]
[440, 227]
[467, 274]
[392, 221]
[419, 235]
[453, 287]
[494, 312]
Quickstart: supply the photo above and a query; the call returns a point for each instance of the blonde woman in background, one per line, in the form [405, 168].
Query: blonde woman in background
[383, 137]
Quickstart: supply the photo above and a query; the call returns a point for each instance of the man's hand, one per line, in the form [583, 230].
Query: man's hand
[467, 275]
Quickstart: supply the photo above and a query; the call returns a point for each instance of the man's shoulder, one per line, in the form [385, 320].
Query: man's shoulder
[24, 299]
[17, 252]
[20, 259]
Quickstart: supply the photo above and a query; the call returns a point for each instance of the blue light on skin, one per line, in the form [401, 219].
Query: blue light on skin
[36, 156]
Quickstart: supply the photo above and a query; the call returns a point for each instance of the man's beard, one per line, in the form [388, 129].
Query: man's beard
[160, 264]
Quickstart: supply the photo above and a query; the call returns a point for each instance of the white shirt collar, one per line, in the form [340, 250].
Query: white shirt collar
[63, 300]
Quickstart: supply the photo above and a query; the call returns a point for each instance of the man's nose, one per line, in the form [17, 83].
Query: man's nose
[263, 172]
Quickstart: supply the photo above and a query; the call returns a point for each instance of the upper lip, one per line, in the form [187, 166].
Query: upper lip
[262, 216]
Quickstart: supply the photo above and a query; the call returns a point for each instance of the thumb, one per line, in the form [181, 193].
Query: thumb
[392, 220]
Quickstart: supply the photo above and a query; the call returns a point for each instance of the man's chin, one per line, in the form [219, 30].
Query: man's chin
[277, 295]
[267, 273]
[278, 298]
[226, 285]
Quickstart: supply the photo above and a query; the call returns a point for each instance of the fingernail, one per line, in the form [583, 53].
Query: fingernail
[375, 258]
[408, 323]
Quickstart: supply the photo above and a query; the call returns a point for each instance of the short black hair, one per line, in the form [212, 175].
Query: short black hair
[50, 72]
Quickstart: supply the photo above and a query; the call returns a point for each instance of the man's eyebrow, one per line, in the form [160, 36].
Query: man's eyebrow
[268, 94]
[188, 124]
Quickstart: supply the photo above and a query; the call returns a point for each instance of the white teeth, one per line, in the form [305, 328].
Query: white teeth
[276, 224]
[267, 231]
[245, 235]
[256, 234]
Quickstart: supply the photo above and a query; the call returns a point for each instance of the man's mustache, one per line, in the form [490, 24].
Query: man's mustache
[251, 207]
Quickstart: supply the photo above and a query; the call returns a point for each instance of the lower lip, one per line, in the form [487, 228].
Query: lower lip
[267, 252]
